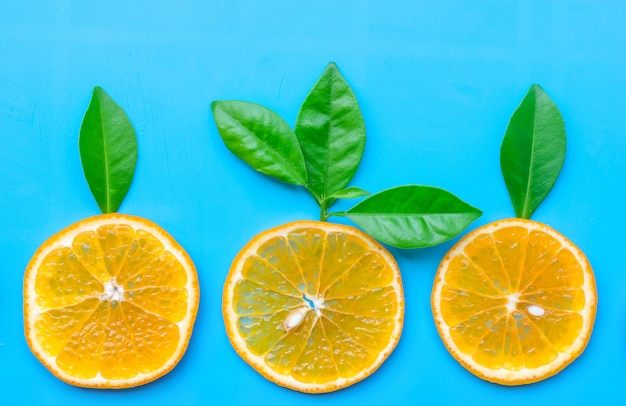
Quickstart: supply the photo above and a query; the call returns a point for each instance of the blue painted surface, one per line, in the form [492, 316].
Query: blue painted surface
[437, 82]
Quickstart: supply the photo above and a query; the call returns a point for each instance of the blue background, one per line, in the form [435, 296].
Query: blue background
[437, 82]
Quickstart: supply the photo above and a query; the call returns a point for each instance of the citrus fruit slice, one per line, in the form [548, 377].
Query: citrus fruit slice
[514, 301]
[110, 302]
[313, 306]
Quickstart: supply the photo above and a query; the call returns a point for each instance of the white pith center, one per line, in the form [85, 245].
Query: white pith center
[512, 304]
[112, 292]
[316, 301]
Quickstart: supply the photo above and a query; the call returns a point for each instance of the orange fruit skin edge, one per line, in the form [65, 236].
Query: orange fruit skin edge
[194, 302]
[574, 355]
[291, 383]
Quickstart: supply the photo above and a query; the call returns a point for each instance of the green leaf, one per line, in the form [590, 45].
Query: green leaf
[331, 132]
[349, 193]
[533, 151]
[259, 137]
[108, 150]
[413, 216]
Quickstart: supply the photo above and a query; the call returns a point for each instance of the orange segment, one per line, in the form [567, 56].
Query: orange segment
[157, 340]
[313, 306]
[284, 356]
[110, 302]
[307, 246]
[354, 356]
[54, 328]
[514, 301]
[62, 280]
[267, 277]
[86, 247]
[115, 241]
[278, 254]
[342, 252]
[262, 332]
[372, 334]
[80, 356]
[163, 271]
[316, 364]
[168, 303]
[369, 273]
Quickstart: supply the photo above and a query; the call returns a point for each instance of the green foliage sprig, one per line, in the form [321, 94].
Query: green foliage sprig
[322, 154]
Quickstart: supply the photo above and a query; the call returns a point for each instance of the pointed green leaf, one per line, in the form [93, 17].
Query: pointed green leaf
[331, 132]
[413, 216]
[108, 150]
[349, 193]
[533, 151]
[259, 137]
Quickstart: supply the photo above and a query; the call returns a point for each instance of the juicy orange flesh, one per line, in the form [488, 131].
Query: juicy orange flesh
[338, 339]
[493, 288]
[91, 331]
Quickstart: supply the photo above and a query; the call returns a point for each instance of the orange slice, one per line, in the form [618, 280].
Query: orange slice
[110, 302]
[313, 306]
[514, 301]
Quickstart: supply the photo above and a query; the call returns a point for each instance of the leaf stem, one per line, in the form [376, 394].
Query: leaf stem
[323, 211]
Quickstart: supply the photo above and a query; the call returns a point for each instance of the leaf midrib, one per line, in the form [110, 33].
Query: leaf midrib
[532, 159]
[330, 127]
[408, 214]
[107, 180]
